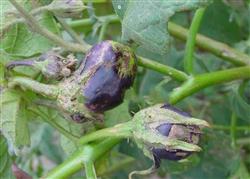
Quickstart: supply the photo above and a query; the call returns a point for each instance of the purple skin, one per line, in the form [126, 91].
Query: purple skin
[165, 129]
[105, 89]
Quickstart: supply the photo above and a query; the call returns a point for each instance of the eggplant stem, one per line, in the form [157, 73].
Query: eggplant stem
[13, 64]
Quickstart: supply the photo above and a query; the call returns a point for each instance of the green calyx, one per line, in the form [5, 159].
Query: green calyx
[156, 115]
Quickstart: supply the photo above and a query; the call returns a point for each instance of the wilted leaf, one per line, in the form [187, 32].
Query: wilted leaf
[144, 22]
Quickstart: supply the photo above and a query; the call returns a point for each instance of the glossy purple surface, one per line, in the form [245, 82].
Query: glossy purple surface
[101, 52]
[105, 88]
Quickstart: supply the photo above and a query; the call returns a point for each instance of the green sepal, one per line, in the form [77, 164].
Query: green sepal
[161, 115]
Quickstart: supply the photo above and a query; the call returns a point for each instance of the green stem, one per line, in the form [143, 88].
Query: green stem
[233, 129]
[90, 170]
[78, 158]
[189, 58]
[228, 128]
[88, 22]
[243, 141]
[196, 83]
[118, 131]
[46, 33]
[164, 69]
[103, 31]
[217, 48]
[50, 91]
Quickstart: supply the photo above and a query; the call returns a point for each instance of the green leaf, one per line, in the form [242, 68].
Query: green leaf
[145, 22]
[13, 122]
[20, 41]
[239, 105]
[5, 160]
[241, 172]
[223, 27]
[46, 142]
[117, 115]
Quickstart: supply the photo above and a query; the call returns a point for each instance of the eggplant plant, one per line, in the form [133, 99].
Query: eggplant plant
[78, 78]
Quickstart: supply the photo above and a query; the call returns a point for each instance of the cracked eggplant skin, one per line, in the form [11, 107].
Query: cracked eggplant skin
[191, 135]
[106, 87]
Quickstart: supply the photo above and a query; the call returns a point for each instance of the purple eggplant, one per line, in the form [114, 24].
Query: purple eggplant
[186, 133]
[106, 87]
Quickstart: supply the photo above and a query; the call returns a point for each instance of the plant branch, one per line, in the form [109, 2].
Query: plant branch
[118, 131]
[243, 141]
[50, 91]
[90, 170]
[228, 128]
[196, 83]
[78, 158]
[164, 69]
[31, 21]
[190, 44]
[217, 48]
[86, 22]
[103, 31]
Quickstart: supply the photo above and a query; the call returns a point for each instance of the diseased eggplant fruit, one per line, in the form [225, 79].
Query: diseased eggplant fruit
[187, 133]
[106, 87]
[165, 132]
[100, 82]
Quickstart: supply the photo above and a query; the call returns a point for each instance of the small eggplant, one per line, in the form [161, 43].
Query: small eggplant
[105, 88]
[165, 132]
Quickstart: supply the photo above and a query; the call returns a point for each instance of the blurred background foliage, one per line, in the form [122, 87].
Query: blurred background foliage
[226, 146]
